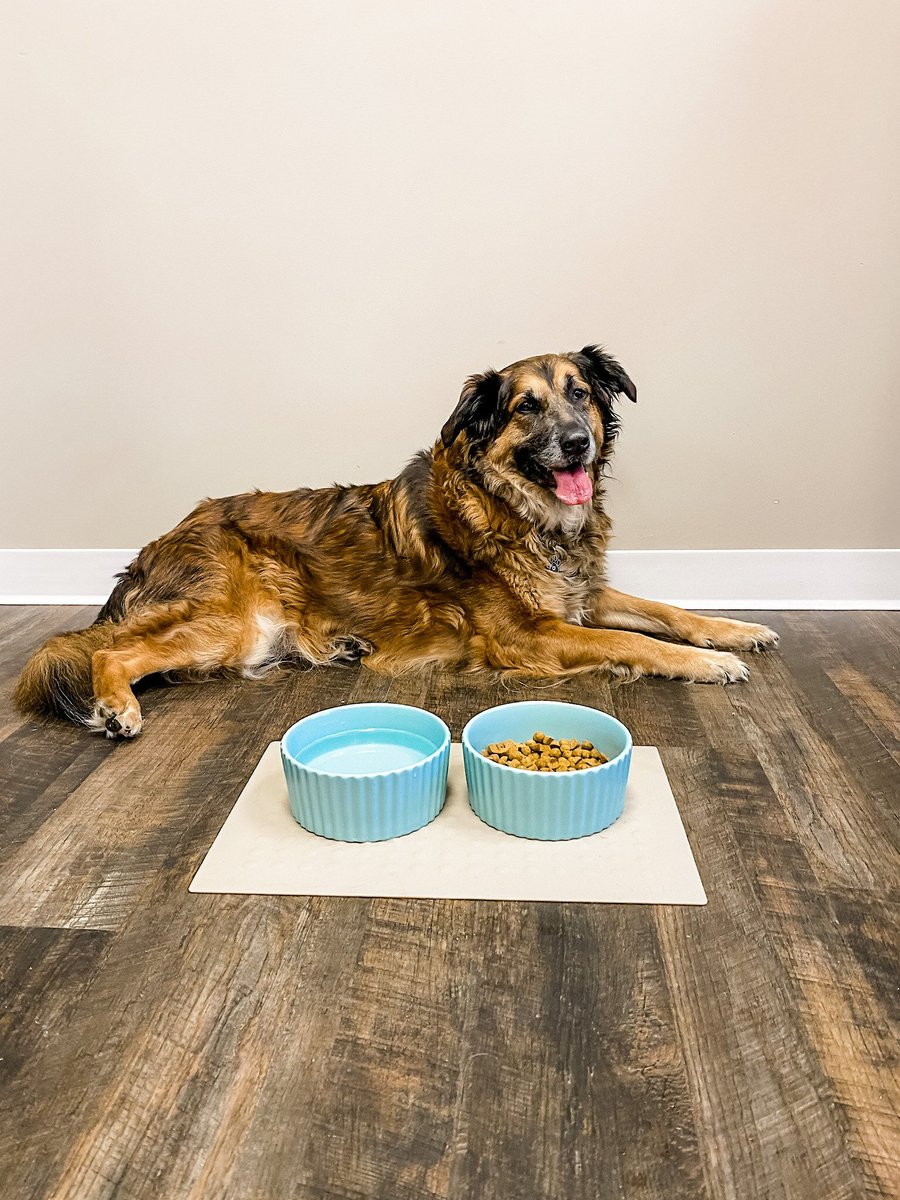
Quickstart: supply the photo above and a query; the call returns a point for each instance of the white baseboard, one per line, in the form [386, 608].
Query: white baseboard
[766, 579]
[739, 579]
[60, 576]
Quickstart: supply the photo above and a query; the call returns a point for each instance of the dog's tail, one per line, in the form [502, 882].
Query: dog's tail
[56, 680]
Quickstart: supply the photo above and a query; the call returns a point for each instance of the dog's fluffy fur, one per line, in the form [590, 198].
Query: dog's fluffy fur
[479, 555]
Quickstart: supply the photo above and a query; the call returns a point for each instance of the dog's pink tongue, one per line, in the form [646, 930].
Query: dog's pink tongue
[573, 487]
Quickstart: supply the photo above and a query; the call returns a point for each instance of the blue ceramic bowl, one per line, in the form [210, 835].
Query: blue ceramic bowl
[366, 772]
[542, 805]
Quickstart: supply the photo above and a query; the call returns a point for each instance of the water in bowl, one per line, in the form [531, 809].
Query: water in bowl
[366, 751]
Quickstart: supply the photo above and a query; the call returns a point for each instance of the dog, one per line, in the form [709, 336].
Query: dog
[486, 552]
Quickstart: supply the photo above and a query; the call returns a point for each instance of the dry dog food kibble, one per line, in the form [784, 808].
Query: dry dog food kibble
[543, 753]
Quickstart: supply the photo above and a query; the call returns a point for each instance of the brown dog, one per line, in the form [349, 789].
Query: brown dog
[486, 552]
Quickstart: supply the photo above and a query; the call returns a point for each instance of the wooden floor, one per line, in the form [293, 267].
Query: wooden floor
[161, 1044]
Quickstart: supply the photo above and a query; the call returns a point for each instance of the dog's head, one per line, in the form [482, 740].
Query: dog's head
[539, 431]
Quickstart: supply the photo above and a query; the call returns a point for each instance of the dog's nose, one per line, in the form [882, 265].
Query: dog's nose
[574, 443]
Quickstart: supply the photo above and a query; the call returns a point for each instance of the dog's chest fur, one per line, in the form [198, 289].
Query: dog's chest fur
[578, 587]
[570, 574]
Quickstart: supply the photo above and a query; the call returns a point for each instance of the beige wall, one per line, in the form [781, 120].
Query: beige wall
[256, 243]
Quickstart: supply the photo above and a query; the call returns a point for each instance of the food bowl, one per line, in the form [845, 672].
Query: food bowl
[366, 772]
[546, 805]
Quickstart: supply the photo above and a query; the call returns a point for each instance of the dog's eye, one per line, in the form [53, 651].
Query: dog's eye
[579, 394]
[528, 405]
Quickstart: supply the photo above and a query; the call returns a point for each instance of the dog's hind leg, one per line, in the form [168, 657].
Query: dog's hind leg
[203, 643]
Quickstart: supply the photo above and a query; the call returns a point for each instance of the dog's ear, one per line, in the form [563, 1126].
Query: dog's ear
[607, 380]
[603, 372]
[478, 410]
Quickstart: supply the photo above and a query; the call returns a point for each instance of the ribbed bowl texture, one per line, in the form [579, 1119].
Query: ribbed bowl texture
[366, 772]
[546, 805]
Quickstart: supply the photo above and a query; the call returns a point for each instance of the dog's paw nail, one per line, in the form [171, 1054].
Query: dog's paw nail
[764, 638]
[116, 721]
[719, 667]
[734, 670]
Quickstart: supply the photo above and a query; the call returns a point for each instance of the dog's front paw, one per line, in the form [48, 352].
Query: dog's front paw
[117, 720]
[715, 667]
[734, 635]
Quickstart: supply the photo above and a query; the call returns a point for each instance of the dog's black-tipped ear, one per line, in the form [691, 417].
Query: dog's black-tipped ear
[478, 410]
[605, 372]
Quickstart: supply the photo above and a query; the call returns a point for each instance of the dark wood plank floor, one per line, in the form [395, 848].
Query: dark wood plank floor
[159, 1044]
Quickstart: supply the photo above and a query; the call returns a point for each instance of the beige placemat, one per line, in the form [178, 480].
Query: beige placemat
[644, 858]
